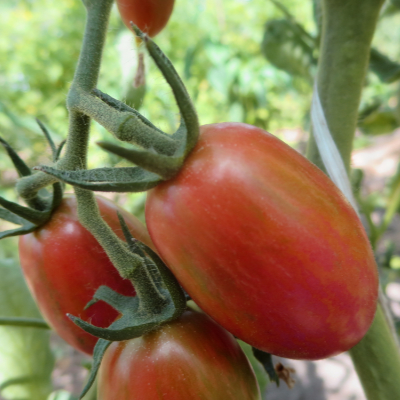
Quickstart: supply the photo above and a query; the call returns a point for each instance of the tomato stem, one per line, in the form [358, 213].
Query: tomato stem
[347, 33]
[83, 97]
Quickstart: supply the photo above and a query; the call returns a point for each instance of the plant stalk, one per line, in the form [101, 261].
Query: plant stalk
[348, 29]
[129, 265]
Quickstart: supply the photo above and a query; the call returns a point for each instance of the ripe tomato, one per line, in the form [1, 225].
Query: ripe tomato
[64, 265]
[149, 15]
[266, 244]
[189, 358]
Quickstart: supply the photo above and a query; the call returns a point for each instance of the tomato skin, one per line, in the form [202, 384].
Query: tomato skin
[64, 265]
[189, 358]
[150, 16]
[266, 244]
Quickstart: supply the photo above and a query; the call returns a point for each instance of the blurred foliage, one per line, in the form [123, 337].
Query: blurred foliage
[214, 44]
[26, 361]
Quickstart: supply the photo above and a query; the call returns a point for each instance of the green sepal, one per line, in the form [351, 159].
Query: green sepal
[11, 217]
[38, 202]
[98, 353]
[34, 216]
[132, 324]
[137, 247]
[182, 98]
[59, 150]
[48, 138]
[120, 106]
[57, 196]
[266, 361]
[23, 230]
[165, 166]
[386, 69]
[116, 300]
[130, 179]
[169, 281]
[16, 214]
[20, 166]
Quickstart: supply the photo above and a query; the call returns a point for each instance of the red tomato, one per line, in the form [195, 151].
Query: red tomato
[189, 358]
[64, 265]
[266, 244]
[149, 15]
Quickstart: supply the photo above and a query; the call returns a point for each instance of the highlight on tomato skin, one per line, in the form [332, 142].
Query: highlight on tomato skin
[150, 16]
[191, 357]
[266, 244]
[64, 265]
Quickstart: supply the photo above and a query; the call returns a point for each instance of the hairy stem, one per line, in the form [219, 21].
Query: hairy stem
[129, 265]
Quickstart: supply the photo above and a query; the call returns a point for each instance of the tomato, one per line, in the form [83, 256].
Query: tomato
[64, 265]
[266, 244]
[149, 15]
[189, 358]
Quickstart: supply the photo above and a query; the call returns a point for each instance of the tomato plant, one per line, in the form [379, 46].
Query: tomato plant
[266, 244]
[149, 15]
[63, 265]
[189, 358]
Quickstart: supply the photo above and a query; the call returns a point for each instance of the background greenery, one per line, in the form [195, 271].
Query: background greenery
[251, 61]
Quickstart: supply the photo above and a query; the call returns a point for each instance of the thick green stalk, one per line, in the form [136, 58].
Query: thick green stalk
[377, 362]
[347, 33]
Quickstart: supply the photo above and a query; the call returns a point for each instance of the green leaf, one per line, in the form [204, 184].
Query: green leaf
[386, 69]
[26, 361]
[266, 361]
[379, 123]
[261, 375]
[287, 48]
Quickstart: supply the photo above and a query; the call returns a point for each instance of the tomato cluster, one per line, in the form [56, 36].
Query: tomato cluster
[258, 237]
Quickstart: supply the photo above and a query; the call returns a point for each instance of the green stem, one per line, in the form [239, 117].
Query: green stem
[86, 76]
[347, 33]
[376, 359]
[129, 265]
[346, 38]
[24, 322]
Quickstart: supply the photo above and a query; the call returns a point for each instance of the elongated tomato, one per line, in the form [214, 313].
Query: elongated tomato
[266, 244]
